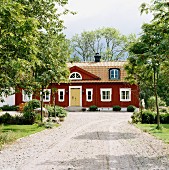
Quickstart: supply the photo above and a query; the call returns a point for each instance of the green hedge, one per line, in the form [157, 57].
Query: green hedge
[116, 108]
[149, 117]
[131, 108]
[26, 119]
[9, 108]
[93, 108]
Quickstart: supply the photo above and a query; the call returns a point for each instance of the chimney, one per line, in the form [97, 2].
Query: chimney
[97, 57]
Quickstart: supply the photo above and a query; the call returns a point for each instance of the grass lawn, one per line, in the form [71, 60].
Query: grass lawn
[9, 133]
[162, 134]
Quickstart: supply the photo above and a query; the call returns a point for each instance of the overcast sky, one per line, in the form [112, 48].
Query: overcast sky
[123, 15]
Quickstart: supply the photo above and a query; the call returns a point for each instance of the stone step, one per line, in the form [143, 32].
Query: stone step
[74, 108]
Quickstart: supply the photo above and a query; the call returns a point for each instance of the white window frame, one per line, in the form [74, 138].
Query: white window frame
[87, 95]
[45, 100]
[59, 91]
[105, 90]
[114, 74]
[125, 90]
[75, 78]
[26, 97]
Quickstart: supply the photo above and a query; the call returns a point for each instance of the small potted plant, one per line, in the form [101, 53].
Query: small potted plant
[61, 113]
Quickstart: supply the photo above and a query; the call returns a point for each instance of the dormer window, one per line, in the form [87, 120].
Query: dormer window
[114, 74]
[75, 76]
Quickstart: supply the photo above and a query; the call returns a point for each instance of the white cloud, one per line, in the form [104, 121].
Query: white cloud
[92, 14]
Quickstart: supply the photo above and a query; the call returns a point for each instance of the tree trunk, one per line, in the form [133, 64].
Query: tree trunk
[141, 111]
[41, 113]
[156, 98]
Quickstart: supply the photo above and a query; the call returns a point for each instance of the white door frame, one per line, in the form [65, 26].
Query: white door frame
[76, 87]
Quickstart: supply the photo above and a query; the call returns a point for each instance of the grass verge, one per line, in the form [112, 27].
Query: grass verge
[9, 133]
[162, 134]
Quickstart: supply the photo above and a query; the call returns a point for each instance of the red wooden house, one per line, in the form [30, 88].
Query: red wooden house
[92, 83]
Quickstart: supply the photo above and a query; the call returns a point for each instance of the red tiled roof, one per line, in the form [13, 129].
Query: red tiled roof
[100, 69]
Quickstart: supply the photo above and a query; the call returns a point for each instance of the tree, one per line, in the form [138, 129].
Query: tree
[18, 38]
[152, 49]
[81, 45]
[52, 66]
[163, 87]
[33, 48]
[114, 44]
[53, 47]
[106, 41]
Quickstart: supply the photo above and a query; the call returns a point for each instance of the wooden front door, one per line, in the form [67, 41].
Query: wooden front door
[75, 97]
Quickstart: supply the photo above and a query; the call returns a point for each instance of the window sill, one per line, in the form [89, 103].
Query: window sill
[61, 100]
[46, 100]
[26, 100]
[105, 100]
[114, 79]
[125, 100]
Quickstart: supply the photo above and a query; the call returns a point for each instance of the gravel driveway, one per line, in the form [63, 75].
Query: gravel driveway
[88, 141]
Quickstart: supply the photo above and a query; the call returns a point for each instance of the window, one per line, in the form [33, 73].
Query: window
[125, 94]
[26, 96]
[75, 76]
[114, 74]
[46, 95]
[61, 95]
[89, 95]
[106, 95]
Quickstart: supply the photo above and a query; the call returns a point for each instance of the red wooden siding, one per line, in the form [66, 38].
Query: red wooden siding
[96, 94]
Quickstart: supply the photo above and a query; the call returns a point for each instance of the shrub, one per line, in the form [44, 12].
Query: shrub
[6, 119]
[93, 108]
[131, 108]
[34, 103]
[152, 103]
[9, 108]
[61, 112]
[164, 118]
[148, 117]
[31, 105]
[116, 108]
[18, 120]
[29, 118]
[52, 111]
[136, 117]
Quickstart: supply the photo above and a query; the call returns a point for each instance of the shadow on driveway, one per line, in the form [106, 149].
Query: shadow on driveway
[102, 162]
[106, 136]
